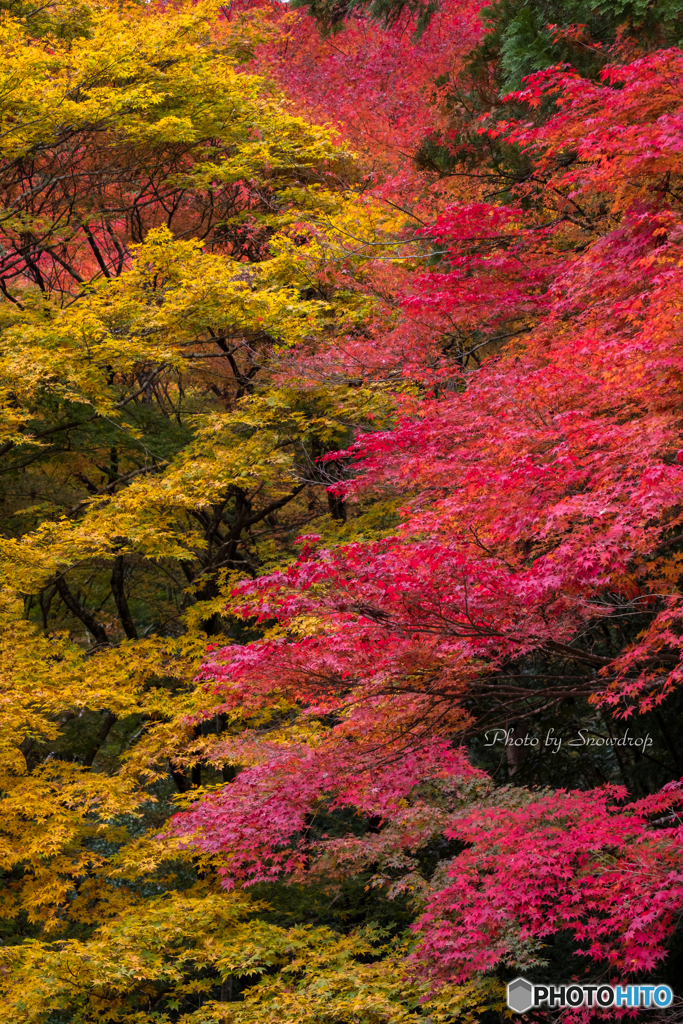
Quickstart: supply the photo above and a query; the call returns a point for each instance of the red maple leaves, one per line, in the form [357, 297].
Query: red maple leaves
[541, 494]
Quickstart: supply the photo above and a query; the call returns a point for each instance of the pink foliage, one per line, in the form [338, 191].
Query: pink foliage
[573, 862]
[540, 494]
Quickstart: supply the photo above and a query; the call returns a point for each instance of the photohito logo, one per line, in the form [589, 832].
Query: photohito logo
[523, 996]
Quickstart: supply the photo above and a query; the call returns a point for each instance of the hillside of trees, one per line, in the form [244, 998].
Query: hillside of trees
[341, 501]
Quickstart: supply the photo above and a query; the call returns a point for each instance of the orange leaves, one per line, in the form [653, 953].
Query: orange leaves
[620, 137]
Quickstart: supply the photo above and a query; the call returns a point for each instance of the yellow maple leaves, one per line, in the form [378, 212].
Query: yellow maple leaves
[168, 229]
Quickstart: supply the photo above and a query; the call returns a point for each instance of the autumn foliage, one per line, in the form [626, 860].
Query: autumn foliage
[341, 431]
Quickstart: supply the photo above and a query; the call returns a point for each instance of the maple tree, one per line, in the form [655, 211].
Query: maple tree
[539, 534]
[165, 220]
[325, 450]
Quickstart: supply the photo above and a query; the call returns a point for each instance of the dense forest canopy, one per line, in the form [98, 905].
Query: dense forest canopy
[341, 456]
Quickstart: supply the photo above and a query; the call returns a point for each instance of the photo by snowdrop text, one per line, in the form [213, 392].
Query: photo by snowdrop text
[581, 738]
